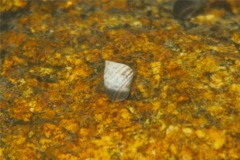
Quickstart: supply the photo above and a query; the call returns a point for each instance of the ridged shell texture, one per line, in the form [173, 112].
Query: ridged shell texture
[117, 80]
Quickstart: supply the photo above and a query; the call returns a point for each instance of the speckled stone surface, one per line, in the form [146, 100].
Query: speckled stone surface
[185, 96]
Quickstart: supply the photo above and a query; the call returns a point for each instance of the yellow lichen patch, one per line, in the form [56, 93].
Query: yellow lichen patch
[120, 117]
[67, 156]
[216, 138]
[78, 73]
[201, 121]
[13, 5]
[18, 60]
[216, 111]
[219, 142]
[69, 125]
[107, 53]
[219, 79]
[7, 64]
[172, 130]
[52, 135]
[1, 154]
[45, 143]
[186, 154]
[221, 48]
[20, 147]
[200, 133]
[210, 18]
[173, 149]
[21, 110]
[67, 4]
[39, 24]
[156, 73]
[50, 130]
[235, 88]
[93, 56]
[207, 64]
[236, 37]
[187, 131]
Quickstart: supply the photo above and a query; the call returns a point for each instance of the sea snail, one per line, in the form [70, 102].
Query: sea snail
[185, 9]
[117, 80]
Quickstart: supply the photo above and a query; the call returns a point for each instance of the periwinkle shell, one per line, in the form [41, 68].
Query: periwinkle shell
[117, 80]
[185, 9]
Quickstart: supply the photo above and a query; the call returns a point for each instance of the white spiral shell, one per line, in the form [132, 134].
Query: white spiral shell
[117, 80]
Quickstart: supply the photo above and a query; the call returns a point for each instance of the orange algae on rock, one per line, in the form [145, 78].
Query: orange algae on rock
[13, 5]
[184, 101]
